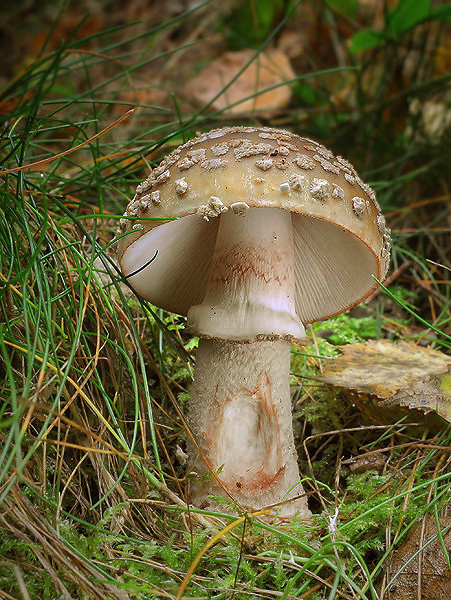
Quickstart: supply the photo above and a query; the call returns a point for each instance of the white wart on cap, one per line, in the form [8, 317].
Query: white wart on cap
[339, 234]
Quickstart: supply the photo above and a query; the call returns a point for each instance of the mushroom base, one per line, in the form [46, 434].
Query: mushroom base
[240, 414]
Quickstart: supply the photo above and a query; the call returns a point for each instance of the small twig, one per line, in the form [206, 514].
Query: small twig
[438, 264]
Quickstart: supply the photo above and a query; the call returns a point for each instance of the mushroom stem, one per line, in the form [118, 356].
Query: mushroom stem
[250, 293]
[240, 405]
[240, 414]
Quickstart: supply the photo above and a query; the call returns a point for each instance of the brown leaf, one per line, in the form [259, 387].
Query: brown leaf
[432, 393]
[7, 106]
[401, 373]
[382, 367]
[269, 68]
[426, 575]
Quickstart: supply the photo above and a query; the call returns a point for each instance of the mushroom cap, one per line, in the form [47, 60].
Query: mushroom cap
[340, 237]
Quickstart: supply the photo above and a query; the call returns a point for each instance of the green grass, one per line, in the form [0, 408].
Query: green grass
[94, 380]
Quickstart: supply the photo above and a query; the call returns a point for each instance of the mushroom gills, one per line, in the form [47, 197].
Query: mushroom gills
[182, 251]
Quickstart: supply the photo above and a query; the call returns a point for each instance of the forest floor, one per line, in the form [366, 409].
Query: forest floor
[94, 490]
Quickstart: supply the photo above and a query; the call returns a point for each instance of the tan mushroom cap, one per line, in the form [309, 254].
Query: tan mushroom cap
[340, 236]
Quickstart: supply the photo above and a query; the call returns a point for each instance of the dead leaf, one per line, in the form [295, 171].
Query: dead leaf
[367, 462]
[269, 68]
[432, 393]
[382, 367]
[401, 373]
[427, 575]
[8, 106]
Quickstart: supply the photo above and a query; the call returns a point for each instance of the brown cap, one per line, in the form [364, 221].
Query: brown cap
[340, 236]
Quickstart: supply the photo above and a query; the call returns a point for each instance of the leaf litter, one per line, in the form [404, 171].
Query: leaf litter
[401, 374]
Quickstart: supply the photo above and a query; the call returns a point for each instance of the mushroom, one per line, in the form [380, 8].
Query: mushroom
[255, 232]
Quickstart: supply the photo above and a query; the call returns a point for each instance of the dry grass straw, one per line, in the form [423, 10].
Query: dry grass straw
[21, 518]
